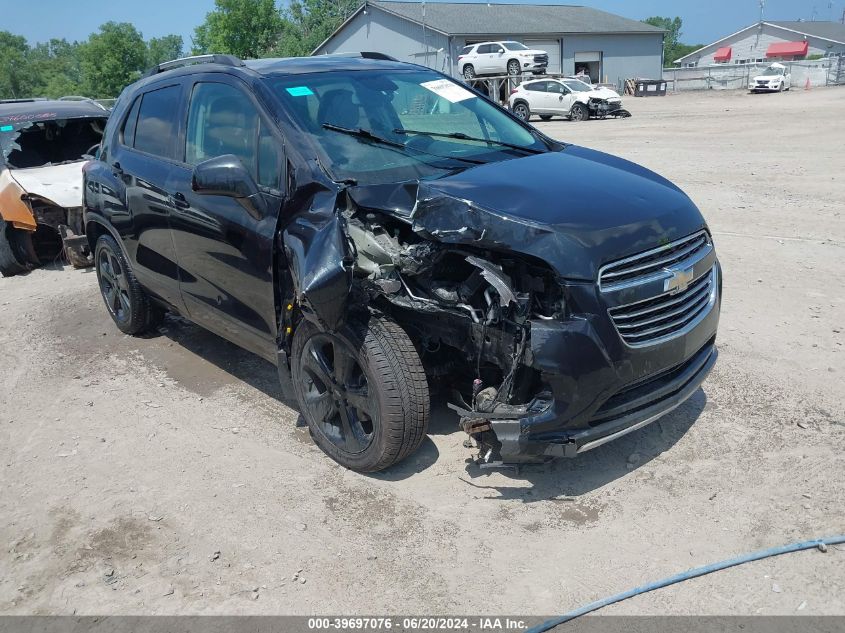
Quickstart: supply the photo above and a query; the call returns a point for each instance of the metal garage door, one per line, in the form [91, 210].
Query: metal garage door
[552, 47]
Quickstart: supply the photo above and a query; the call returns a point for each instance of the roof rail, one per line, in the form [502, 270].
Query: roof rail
[376, 55]
[81, 98]
[30, 100]
[361, 54]
[223, 60]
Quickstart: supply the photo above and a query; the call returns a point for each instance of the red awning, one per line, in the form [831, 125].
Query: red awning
[723, 54]
[788, 49]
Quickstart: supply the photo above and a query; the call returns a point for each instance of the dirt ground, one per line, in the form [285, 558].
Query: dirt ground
[164, 475]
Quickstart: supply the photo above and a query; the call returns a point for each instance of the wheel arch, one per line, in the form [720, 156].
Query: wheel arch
[97, 226]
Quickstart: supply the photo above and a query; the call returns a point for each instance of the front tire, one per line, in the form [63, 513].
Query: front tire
[362, 391]
[514, 68]
[579, 112]
[129, 306]
[17, 254]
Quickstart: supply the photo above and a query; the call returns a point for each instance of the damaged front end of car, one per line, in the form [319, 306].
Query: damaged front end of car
[41, 181]
[531, 366]
[601, 107]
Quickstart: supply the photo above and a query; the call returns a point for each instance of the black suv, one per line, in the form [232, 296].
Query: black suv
[372, 226]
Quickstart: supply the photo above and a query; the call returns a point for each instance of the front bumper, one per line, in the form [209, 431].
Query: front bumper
[598, 388]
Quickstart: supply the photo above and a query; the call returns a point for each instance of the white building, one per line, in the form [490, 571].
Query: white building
[771, 41]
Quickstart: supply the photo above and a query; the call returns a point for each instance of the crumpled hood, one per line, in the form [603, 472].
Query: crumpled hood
[59, 184]
[601, 93]
[575, 209]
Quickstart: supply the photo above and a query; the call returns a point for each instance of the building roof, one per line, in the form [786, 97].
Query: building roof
[469, 18]
[827, 30]
[833, 31]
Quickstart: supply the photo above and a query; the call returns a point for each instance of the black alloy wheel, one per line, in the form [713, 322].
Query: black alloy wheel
[337, 394]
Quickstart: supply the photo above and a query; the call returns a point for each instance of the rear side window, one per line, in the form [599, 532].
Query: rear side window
[155, 131]
[127, 134]
[466, 50]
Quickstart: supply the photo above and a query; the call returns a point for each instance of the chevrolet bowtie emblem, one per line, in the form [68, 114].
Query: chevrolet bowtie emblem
[679, 280]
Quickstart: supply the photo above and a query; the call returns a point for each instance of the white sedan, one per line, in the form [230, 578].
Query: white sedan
[775, 78]
[564, 97]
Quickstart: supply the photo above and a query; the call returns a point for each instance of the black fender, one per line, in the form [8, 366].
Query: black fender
[320, 256]
[94, 219]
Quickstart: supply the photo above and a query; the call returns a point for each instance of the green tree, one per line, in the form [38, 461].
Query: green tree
[162, 49]
[15, 79]
[55, 69]
[112, 58]
[672, 46]
[309, 22]
[246, 28]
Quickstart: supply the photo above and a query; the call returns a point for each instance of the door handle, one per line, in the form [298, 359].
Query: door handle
[179, 200]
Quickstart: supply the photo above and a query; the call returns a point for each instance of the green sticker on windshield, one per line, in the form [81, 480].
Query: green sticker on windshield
[7, 128]
[300, 91]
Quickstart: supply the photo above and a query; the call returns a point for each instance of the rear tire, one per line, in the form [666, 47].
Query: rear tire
[129, 306]
[521, 111]
[16, 250]
[362, 391]
[469, 72]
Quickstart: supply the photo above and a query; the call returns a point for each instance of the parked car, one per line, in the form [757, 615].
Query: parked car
[566, 97]
[501, 58]
[43, 144]
[776, 78]
[371, 226]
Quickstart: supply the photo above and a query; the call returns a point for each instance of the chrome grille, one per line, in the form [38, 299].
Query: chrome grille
[666, 316]
[652, 264]
[677, 281]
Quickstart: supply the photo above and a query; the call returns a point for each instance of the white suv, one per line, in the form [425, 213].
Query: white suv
[564, 97]
[501, 58]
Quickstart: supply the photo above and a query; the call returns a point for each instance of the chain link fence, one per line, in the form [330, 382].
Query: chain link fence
[822, 72]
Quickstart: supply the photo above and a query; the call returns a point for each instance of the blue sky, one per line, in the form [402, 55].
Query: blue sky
[704, 20]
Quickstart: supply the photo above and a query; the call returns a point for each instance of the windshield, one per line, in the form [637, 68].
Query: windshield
[577, 86]
[769, 72]
[407, 112]
[37, 140]
[515, 46]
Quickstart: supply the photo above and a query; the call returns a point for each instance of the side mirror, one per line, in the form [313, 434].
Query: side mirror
[223, 176]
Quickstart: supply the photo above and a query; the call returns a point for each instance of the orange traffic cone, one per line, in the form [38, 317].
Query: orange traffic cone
[807, 85]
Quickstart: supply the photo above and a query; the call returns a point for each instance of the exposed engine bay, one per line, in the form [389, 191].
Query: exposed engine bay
[468, 307]
[601, 108]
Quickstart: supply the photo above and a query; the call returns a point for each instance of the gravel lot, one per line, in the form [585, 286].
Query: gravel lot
[165, 475]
